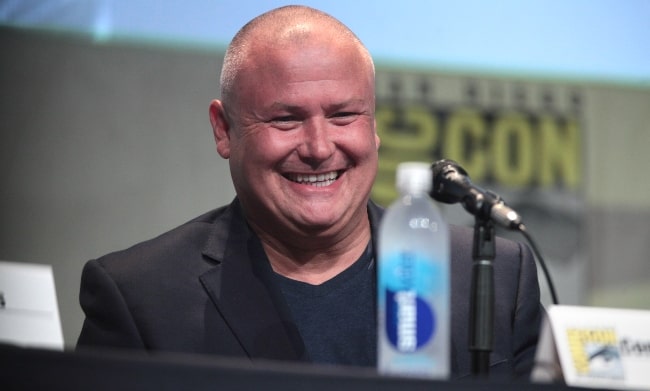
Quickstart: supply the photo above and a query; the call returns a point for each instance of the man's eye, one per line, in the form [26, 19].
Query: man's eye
[344, 117]
[286, 118]
[286, 122]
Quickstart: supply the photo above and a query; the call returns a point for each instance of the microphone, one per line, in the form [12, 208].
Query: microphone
[451, 184]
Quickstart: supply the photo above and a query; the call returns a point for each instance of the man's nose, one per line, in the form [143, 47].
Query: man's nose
[316, 143]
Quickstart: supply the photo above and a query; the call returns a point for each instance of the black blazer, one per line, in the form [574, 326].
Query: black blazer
[206, 287]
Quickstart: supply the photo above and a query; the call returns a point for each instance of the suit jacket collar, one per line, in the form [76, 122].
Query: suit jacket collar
[242, 287]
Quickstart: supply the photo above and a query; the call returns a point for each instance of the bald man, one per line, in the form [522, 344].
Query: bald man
[286, 271]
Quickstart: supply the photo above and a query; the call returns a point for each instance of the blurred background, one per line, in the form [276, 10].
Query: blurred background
[105, 139]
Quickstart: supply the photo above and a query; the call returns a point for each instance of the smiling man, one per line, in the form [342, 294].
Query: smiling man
[286, 271]
[297, 122]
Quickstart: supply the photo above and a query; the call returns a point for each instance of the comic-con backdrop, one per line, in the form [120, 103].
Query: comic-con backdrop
[517, 138]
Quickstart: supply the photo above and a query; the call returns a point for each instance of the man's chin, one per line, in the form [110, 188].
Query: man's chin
[317, 225]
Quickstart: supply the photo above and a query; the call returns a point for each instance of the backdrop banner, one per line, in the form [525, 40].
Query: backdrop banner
[520, 139]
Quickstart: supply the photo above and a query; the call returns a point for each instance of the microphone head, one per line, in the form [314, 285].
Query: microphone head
[444, 188]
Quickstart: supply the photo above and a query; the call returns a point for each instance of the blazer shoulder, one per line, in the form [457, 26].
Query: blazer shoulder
[166, 251]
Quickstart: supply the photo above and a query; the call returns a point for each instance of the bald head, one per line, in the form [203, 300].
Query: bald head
[285, 27]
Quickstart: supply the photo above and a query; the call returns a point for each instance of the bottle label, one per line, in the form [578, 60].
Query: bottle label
[410, 315]
[410, 322]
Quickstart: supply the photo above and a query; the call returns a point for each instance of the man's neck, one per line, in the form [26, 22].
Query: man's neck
[316, 260]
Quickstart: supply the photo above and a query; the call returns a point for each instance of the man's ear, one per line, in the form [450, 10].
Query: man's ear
[220, 128]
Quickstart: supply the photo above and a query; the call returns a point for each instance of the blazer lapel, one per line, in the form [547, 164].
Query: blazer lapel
[241, 287]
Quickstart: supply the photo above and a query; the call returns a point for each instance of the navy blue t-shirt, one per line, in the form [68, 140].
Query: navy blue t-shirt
[337, 319]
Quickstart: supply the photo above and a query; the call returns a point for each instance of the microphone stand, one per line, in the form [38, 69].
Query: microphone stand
[481, 334]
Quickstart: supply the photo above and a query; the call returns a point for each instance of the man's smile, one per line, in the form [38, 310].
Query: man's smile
[318, 180]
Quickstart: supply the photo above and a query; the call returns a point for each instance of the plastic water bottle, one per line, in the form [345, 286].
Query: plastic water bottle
[413, 281]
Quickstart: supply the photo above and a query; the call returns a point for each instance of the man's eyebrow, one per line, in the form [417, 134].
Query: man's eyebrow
[330, 107]
[347, 103]
[285, 107]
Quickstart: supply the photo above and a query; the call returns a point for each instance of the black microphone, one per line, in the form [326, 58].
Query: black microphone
[451, 184]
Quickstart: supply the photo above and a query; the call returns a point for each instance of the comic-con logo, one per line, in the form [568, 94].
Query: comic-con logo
[596, 353]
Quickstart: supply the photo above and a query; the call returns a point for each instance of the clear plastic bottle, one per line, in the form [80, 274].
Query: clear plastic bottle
[413, 284]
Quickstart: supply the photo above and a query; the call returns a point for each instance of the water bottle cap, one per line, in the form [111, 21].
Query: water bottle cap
[414, 177]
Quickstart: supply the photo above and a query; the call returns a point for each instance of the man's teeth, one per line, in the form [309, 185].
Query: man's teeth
[319, 180]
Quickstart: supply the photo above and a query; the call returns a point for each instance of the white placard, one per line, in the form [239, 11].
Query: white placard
[595, 347]
[29, 312]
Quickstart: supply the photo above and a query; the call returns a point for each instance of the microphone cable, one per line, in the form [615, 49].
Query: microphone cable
[549, 282]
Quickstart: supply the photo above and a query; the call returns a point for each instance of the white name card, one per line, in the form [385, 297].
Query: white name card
[595, 347]
[29, 311]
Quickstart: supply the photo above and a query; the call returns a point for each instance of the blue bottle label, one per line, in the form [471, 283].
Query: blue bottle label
[410, 322]
[408, 282]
